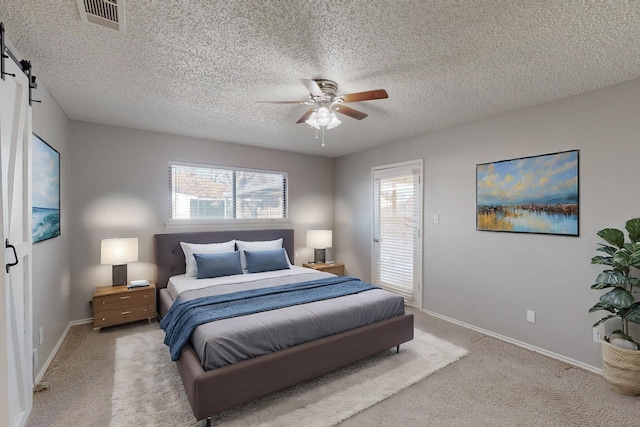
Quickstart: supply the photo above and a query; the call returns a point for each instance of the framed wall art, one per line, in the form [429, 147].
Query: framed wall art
[46, 191]
[538, 194]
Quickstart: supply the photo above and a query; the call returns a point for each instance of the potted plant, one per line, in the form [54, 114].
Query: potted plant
[620, 354]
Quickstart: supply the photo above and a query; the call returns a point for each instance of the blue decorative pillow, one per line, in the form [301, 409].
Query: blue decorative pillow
[216, 265]
[259, 261]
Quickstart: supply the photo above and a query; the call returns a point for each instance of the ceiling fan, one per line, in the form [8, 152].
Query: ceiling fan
[325, 100]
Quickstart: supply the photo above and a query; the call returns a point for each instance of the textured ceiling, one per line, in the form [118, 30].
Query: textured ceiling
[196, 68]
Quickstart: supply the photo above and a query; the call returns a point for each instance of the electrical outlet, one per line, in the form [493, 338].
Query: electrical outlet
[598, 334]
[41, 334]
[436, 219]
[531, 316]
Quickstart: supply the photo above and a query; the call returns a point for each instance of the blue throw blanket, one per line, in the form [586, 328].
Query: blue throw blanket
[184, 317]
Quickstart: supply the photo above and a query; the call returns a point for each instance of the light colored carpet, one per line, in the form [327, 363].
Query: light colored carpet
[148, 391]
[496, 384]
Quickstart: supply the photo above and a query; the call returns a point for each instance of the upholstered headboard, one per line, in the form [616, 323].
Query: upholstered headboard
[169, 257]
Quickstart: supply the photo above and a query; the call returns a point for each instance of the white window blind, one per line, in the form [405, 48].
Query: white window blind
[202, 192]
[397, 239]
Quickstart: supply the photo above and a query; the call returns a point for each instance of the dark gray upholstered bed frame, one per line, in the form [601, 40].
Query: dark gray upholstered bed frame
[211, 392]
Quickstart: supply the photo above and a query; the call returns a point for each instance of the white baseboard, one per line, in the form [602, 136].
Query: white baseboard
[43, 371]
[519, 343]
[431, 313]
[81, 321]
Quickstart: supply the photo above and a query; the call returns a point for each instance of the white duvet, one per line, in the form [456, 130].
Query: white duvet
[181, 283]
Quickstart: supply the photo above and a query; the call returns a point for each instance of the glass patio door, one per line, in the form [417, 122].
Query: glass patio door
[397, 234]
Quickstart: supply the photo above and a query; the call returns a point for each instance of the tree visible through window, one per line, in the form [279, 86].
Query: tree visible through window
[217, 193]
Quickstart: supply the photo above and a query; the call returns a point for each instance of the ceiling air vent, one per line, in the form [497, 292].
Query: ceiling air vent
[106, 13]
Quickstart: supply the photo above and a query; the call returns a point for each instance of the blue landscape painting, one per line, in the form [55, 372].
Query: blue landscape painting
[46, 191]
[529, 195]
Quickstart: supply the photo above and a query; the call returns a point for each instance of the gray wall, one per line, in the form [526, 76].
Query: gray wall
[114, 184]
[51, 269]
[119, 189]
[489, 279]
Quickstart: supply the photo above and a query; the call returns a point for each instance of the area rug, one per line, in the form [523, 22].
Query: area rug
[148, 391]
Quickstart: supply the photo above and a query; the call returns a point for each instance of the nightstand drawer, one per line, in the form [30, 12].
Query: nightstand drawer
[103, 318]
[337, 270]
[123, 300]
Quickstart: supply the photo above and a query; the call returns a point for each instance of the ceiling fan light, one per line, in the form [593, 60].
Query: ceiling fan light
[323, 116]
[313, 121]
[334, 121]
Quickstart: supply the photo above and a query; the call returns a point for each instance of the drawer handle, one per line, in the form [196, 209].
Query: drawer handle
[125, 312]
[125, 297]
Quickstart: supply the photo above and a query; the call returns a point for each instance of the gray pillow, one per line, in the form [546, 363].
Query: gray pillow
[217, 265]
[272, 260]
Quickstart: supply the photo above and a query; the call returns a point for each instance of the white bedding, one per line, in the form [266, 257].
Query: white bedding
[181, 283]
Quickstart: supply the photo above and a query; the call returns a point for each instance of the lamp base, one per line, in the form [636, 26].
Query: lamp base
[319, 255]
[119, 274]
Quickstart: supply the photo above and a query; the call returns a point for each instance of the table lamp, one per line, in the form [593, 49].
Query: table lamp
[319, 240]
[118, 252]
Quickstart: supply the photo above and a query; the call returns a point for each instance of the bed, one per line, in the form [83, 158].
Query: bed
[212, 391]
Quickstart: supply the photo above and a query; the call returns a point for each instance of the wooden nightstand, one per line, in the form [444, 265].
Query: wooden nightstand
[115, 305]
[336, 268]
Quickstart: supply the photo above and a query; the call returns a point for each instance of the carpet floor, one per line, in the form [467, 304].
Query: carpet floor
[148, 390]
[496, 384]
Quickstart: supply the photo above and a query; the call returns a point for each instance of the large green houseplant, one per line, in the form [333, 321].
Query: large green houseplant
[620, 363]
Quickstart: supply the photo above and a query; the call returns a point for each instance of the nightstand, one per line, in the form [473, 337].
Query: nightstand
[337, 269]
[115, 305]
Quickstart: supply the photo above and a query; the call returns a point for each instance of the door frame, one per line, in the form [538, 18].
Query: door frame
[419, 275]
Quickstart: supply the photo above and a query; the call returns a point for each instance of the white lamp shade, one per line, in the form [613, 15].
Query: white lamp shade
[119, 251]
[334, 121]
[319, 239]
[311, 121]
[323, 116]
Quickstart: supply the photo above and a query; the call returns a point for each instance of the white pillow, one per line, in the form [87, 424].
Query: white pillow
[266, 245]
[209, 248]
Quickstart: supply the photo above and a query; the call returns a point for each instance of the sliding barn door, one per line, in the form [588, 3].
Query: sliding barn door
[397, 235]
[16, 363]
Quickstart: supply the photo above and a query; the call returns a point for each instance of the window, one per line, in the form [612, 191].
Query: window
[202, 192]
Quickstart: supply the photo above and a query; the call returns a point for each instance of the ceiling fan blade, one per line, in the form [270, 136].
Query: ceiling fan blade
[348, 111]
[312, 86]
[365, 96]
[279, 102]
[305, 116]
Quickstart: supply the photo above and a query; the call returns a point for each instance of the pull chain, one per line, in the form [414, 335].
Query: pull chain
[322, 127]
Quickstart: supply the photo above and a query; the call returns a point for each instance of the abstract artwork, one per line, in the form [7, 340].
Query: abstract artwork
[537, 194]
[46, 191]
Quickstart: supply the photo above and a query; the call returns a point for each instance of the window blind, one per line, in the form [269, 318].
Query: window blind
[397, 229]
[218, 193]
